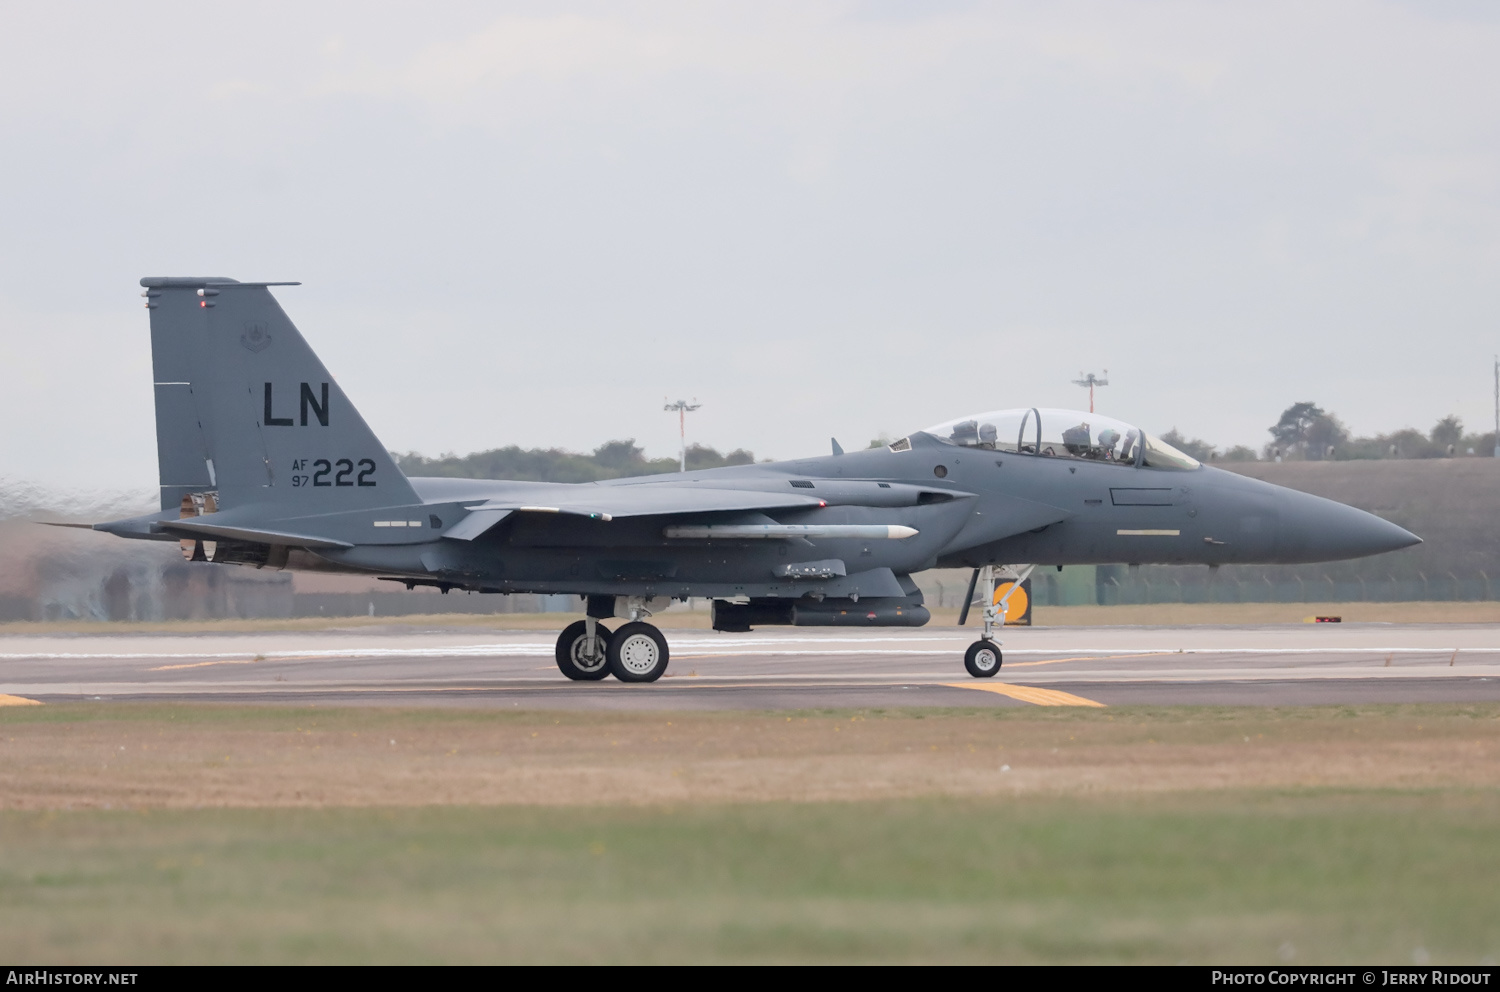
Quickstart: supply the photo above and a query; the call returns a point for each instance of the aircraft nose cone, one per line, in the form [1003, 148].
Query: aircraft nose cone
[1317, 529]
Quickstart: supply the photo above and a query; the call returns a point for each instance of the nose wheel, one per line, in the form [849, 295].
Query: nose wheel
[983, 659]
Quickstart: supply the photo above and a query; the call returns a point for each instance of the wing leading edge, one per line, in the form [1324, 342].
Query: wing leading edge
[608, 503]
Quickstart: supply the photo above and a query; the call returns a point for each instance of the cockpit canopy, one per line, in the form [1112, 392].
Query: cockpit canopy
[1060, 434]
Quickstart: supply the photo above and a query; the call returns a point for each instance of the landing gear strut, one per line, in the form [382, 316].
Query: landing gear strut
[983, 659]
[587, 651]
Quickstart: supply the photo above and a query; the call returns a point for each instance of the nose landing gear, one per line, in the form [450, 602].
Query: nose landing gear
[983, 658]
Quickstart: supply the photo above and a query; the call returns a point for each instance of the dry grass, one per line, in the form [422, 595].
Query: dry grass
[185, 755]
[1204, 835]
[1210, 878]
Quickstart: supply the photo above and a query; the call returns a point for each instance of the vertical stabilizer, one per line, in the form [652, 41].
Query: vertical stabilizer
[244, 407]
[182, 458]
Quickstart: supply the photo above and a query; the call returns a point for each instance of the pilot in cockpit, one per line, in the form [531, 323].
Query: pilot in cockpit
[1098, 438]
[972, 434]
[1108, 438]
[1076, 440]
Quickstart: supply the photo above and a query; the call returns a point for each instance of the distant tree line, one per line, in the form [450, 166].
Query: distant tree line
[1307, 432]
[1304, 432]
[611, 460]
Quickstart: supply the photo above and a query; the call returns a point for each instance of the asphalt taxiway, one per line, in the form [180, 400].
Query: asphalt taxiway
[782, 668]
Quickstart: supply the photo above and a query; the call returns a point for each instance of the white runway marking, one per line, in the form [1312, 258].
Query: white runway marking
[943, 677]
[702, 649]
[1382, 663]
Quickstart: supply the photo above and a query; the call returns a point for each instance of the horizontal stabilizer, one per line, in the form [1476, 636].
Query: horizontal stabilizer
[198, 528]
[145, 527]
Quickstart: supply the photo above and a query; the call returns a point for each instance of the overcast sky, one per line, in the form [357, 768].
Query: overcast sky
[528, 223]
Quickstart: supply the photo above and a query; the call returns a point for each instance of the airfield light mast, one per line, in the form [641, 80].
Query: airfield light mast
[1092, 380]
[683, 408]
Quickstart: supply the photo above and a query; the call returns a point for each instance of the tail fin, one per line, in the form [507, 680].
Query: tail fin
[245, 409]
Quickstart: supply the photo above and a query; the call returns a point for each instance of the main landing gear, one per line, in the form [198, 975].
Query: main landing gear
[582, 653]
[588, 651]
[983, 659]
[637, 653]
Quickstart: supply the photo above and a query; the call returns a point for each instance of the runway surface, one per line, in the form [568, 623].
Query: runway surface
[777, 668]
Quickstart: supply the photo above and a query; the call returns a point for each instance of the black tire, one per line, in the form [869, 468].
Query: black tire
[637, 653]
[983, 659]
[568, 660]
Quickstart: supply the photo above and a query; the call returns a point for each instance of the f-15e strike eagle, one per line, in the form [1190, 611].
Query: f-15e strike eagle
[264, 462]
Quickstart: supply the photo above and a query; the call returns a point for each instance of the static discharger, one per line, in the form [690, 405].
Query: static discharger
[855, 532]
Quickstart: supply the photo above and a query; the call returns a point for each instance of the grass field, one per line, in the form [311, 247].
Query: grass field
[1261, 877]
[1212, 835]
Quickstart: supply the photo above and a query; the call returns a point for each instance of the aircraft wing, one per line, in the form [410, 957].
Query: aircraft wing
[609, 502]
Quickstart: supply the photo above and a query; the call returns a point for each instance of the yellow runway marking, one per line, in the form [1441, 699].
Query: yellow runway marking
[203, 664]
[18, 701]
[251, 661]
[1027, 693]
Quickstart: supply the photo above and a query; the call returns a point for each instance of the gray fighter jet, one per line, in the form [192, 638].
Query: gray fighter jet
[265, 463]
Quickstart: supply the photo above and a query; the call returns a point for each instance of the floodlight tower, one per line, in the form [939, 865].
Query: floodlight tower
[1091, 381]
[1497, 406]
[683, 408]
